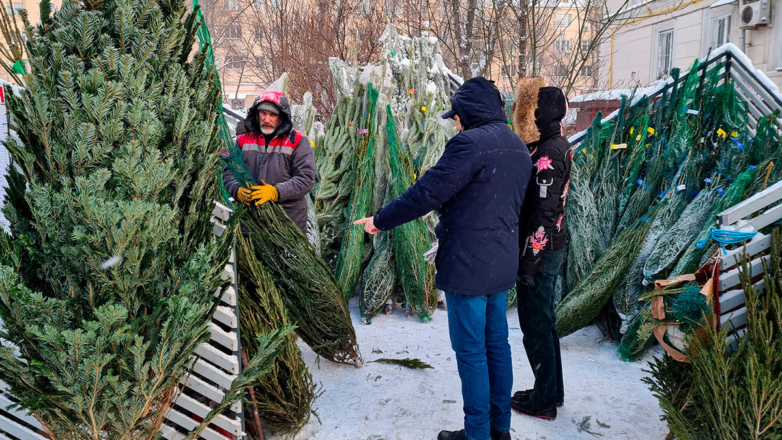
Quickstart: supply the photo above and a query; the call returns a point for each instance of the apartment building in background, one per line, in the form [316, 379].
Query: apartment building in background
[33, 14]
[654, 36]
[560, 40]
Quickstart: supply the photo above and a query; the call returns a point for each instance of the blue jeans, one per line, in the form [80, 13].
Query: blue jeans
[478, 327]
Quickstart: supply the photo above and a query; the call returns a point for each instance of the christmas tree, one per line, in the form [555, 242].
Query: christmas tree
[107, 282]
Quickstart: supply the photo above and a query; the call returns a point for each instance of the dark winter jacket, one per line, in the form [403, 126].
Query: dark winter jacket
[478, 186]
[283, 159]
[543, 213]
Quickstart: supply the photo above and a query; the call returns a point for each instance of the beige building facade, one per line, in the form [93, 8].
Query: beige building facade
[654, 36]
[34, 15]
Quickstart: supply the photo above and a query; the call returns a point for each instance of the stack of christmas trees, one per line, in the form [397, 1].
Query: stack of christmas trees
[645, 191]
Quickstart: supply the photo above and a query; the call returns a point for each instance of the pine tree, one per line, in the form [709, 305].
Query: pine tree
[726, 393]
[107, 282]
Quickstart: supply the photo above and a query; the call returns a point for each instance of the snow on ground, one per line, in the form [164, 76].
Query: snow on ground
[385, 402]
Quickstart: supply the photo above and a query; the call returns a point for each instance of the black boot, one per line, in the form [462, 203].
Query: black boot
[524, 395]
[497, 435]
[452, 435]
[526, 408]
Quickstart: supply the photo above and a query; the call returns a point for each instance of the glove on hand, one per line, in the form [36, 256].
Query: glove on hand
[244, 195]
[527, 280]
[264, 193]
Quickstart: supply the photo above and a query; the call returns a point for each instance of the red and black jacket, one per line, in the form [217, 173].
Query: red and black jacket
[543, 212]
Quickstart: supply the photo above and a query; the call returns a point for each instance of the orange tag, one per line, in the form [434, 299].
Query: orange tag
[411, 91]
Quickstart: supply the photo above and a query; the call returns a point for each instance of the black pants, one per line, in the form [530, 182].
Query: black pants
[538, 322]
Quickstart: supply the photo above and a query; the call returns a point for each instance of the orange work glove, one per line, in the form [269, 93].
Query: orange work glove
[264, 193]
[244, 195]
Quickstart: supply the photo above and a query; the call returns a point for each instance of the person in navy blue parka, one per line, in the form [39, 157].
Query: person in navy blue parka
[478, 187]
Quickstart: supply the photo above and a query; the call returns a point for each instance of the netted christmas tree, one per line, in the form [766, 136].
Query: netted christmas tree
[285, 396]
[674, 162]
[107, 282]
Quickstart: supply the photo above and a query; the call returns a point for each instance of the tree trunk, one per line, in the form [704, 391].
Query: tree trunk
[521, 16]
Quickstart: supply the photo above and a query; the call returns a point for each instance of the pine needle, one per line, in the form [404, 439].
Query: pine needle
[412, 363]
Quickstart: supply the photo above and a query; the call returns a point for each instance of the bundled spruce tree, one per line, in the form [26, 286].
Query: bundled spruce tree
[107, 285]
[285, 396]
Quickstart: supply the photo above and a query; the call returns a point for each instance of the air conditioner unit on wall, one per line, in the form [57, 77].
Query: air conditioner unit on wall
[754, 14]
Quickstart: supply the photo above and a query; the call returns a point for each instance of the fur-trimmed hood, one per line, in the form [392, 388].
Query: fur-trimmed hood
[524, 109]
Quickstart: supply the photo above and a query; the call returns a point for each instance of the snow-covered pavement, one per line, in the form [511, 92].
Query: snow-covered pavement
[386, 402]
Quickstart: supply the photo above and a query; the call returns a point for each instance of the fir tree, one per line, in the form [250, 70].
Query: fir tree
[726, 393]
[107, 282]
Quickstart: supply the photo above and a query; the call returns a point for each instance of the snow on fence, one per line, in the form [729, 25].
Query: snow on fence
[752, 86]
[215, 367]
[731, 303]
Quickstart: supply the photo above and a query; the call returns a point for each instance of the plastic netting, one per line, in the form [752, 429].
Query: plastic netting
[411, 239]
[688, 155]
[351, 255]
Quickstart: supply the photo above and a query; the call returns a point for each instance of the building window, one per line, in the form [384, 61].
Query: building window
[234, 32]
[585, 45]
[257, 5]
[234, 5]
[664, 53]
[560, 71]
[233, 62]
[562, 46]
[720, 31]
[563, 20]
[586, 71]
[510, 72]
[14, 8]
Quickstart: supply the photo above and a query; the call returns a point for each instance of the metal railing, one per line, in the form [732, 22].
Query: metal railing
[752, 87]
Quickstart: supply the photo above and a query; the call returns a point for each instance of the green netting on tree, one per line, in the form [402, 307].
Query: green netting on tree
[693, 255]
[584, 303]
[308, 288]
[584, 245]
[639, 337]
[379, 278]
[687, 307]
[631, 288]
[285, 395]
[671, 245]
[336, 177]
[351, 255]
[411, 239]
[513, 298]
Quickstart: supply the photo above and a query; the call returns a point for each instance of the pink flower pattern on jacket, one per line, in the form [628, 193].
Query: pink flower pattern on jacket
[544, 163]
[538, 240]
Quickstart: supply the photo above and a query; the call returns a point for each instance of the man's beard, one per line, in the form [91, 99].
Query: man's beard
[267, 129]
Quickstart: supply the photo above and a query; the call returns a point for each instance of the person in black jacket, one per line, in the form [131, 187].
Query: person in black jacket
[477, 186]
[543, 242]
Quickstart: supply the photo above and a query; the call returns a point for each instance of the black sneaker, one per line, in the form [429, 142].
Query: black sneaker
[526, 408]
[496, 435]
[452, 435]
[524, 395]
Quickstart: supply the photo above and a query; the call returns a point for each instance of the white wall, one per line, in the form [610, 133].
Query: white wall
[635, 44]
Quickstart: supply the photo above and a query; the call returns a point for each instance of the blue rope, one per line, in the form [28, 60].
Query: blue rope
[724, 236]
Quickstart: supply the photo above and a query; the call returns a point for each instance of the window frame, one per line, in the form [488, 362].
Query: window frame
[560, 18]
[658, 58]
[568, 46]
[714, 21]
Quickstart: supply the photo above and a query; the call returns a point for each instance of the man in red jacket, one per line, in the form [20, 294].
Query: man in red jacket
[280, 159]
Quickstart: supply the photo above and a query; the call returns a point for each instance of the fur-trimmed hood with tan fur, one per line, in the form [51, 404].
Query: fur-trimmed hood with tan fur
[524, 108]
